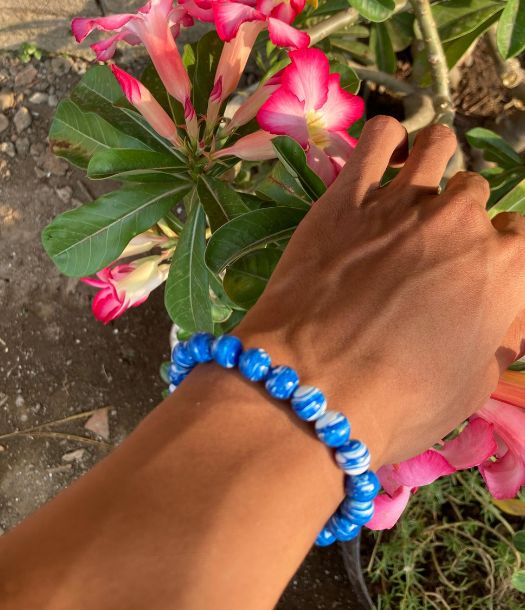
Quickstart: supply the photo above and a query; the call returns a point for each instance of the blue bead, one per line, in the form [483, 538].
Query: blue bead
[255, 364]
[343, 529]
[308, 402]
[333, 429]
[226, 351]
[199, 346]
[182, 358]
[175, 376]
[353, 457]
[357, 512]
[362, 487]
[325, 538]
[281, 382]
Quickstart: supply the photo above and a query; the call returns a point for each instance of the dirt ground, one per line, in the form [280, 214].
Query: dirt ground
[56, 361]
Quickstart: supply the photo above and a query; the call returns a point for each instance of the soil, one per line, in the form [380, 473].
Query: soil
[56, 361]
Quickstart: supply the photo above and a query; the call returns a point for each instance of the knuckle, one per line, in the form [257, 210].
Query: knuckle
[382, 122]
[438, 133]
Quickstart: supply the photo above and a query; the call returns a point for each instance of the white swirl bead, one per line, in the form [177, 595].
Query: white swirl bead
[333, 428]
[353, 457]
[309, 403]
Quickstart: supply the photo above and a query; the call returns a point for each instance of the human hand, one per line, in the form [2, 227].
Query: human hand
[403, 305]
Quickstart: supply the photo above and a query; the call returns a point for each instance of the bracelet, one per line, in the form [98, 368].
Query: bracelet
[309, 403]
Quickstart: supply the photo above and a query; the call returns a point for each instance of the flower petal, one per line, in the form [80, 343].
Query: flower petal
[505, 476]
[472, 446]
[342, 108]
[509, 423]
[388, 509]
[105, 49]
[229, 16]
[307, 77]
[284, 35]
[256, 146]
[340, 145]
[422, 469]
[82, 26]
[321, 164]
[283, 114]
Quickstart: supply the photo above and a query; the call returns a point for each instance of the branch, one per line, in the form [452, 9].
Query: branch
[383, 78]
[443, 106]
[510, 71]
[328, 26]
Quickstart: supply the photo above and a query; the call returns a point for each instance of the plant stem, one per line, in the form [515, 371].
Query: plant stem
[383, 78]
[443, 106]
[328, 26]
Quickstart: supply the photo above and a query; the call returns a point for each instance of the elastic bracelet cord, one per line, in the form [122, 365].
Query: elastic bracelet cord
[309, 404]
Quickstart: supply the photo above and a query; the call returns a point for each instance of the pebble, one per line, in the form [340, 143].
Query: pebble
[22, 146]
[39, 98]
[99, 423]
[36, 149]
[74, 456]
[64, 193]
[8, 148]
[52, 165]
[60, 65]
[7, 100]
[5, 172]
[52, 101]
[22, 119]
[26, 76]
[4, 123]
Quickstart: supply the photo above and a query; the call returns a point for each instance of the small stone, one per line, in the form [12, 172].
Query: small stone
[52, 101]
[25, 77]
[39, 173]
[98, 423]
[64, 194]
[7, 100]
[22, 119]
[76, 203]
[22, 146]
[4, 123]
[8, 148]
[53, 165]
[36, 149]
[5, 172]
[60, 65]
[39, 98]
[74, 456]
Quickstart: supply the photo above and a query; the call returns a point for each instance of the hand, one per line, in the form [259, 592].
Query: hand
[403, 305]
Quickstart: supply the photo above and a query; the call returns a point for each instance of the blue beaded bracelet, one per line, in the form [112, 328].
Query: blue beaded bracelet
[309, 404]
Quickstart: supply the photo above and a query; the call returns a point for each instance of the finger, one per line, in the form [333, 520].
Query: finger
[383, 139]
[433, 148]
[469, 186]
[509, 222]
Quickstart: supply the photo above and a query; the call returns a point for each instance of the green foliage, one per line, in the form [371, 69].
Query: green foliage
[374, 10]
[132, 165]
[381, 45]
[511, 29]
[27, 50]
[220, 201]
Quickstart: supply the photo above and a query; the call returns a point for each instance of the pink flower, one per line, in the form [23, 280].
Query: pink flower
[276, 15]
[156, 25]
[256, 146]
[144, 242]
[199, 9]
[311, 107]
[125, 285]
[147, 105]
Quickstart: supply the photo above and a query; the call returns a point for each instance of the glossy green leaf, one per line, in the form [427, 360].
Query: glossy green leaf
[401, 30]
[494, 147]
[456, 18]
[221, 203]
[518, 580]
[349, 80]
[330, 7]
[246, 279]
[187, 294]
[514, 201]
[207, 54]
[135, 165]
[518, 540]
[355, 48]
[293, 157]
[283, 189]
[381, 46]
[502, 181]
[511, 29]
[151, 79]
[77, 135]
[164, 371]
[374, 10]
[250, 232]
[84, 240]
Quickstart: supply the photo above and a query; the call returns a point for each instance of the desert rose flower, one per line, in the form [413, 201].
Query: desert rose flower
[144, 242]
[147, 105]
[156, 25]
[199, 9]
[256, 146]
[311, 107]
[126, 285]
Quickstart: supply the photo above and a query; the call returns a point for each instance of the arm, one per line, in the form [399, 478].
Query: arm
[401, 305]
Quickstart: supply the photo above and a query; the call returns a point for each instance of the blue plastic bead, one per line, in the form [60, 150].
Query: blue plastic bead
[199, 346]
[325, 538]
[357, 512]
[333, 429]
[362, 487]
[182, 358]
[255, 364]
[343, 529]
[308, 402]
[281, 382]
[226, 351]
[353, 457]
[175, 376]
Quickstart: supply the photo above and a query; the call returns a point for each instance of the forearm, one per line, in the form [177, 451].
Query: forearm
[212, 503]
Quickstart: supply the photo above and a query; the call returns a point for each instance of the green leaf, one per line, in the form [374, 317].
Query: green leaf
[456, 18]
[355, 48]
[283, 189]
[514, 201]
[518, 580]
[151, 79]
[374, 10]
[401, 30]
[135, 165]
[494, 147]
[502, 181]
[221, 203]
[246, 279]
[349, 80]
[207, 54]
[231, 322]
[511, 29]
[86, 239]
[164, 371]
[250, 232]
[77, 135]
[99, 92]
[518, 540]
[381, 45]
[187, 295]
[293, 157]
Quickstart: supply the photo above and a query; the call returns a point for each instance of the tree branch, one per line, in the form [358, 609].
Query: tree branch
[328, 26]
[443, 106]
[383, 78]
